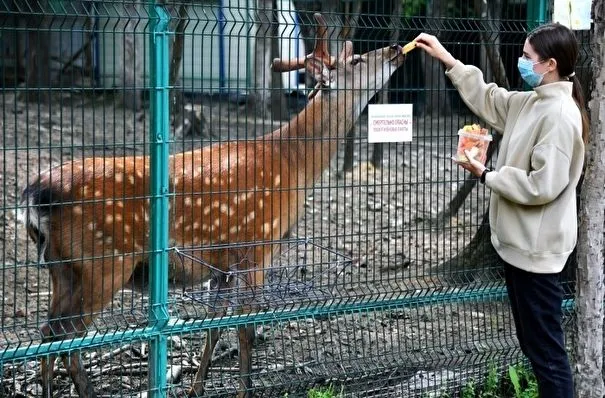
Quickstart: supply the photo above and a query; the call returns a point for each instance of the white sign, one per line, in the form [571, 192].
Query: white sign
[389, 123]
[575, 14]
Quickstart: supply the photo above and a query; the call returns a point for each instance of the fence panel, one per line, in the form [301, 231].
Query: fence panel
[190, 209]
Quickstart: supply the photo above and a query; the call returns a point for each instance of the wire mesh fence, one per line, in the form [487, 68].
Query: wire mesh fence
[357, 265]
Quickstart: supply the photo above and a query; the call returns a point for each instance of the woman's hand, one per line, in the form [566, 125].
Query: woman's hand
[434, 48]
[472, 165]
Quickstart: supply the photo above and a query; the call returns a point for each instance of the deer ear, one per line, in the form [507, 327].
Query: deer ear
[346, 52]
[318, 70]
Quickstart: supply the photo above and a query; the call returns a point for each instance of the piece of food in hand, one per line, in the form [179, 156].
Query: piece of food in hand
[474, 139]
[408, 47]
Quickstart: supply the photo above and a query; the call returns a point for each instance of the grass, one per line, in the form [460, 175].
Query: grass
[327, 392]
[519, 382]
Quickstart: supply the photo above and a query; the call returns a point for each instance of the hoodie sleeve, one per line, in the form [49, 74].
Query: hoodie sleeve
[550, 163]
[541, 185]
[488, 101]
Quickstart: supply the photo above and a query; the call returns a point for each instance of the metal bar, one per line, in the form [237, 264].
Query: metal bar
[176, 326]
[159, 152]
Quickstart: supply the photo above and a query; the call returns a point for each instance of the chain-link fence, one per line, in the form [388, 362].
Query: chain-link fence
[192, 220]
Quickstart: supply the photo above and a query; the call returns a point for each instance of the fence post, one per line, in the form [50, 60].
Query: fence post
[536, 13]
[159, 196]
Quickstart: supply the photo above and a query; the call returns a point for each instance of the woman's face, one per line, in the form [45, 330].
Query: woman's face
[541, 66]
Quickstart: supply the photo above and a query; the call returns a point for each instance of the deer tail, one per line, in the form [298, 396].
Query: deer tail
[34, 212]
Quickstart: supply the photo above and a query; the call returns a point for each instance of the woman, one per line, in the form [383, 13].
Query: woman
[532, 213]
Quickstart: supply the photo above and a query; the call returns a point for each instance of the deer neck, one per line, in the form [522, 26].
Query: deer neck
[310, 140]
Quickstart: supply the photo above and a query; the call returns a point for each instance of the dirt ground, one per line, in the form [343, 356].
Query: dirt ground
[371, 239]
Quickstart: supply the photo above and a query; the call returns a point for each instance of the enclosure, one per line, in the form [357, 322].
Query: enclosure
[382, 285]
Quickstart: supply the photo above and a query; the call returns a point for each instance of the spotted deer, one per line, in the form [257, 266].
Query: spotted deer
[89, 218]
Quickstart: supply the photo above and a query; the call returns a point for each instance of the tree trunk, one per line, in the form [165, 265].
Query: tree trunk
[383, 95]
[494, 71]
[262, 58]
[589, 276]
[38, 57]
[351, 17]
[133, 75]
[491, 60]
[434, 78]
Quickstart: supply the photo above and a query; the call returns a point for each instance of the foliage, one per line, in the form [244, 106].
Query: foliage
[325, 393]
[523, 381]
[520, 382]
[412, 8]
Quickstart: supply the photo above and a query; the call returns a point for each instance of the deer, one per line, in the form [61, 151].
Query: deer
[89, 218]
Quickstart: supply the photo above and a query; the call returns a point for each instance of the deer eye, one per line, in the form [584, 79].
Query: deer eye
[356, 59]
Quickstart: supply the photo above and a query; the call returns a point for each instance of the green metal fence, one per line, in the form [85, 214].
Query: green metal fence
[376, 290]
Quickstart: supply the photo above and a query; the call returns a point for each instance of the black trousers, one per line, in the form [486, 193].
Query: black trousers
[536, 301]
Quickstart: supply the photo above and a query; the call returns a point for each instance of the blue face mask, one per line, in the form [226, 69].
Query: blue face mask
[526, 69]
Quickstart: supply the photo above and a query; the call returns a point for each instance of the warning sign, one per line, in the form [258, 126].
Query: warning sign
[390, 123]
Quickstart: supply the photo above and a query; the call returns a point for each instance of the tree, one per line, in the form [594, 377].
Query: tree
[265, 81]
[435, 102]
[589, 276]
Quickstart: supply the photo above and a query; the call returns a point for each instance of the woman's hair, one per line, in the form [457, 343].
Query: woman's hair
[556, 41]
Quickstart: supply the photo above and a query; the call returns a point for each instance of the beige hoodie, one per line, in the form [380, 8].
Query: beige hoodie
[533, 215]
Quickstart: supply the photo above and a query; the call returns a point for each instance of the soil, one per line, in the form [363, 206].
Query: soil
[366, 236]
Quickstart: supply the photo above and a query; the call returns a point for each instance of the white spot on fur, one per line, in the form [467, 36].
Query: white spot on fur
[249, 218]
[277, 181]
[226, 209]
[77, 210]
[131, 179]
[119, 177]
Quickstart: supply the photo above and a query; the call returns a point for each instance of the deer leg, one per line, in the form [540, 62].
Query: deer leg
[74, 302]
[212, 337]
[197, 388]
[246, 340]
[47, 371]
[78, 375]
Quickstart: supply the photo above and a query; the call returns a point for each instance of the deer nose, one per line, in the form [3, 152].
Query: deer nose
[396, 47]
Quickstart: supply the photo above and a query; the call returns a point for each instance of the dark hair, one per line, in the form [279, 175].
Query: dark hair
[554, 40]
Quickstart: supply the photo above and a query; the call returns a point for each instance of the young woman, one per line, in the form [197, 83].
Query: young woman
[532, 212]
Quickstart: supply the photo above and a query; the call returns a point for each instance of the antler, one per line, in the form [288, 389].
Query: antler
[320, 51]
